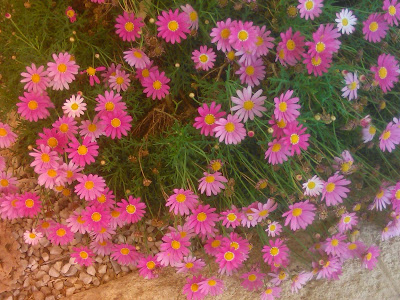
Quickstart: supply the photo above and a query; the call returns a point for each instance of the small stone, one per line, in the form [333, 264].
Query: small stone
[65, 268]
[34, 267]
[106, 278]
[38, 295]
[59, 285]
[45, 268]
[27, 281]
[51, 297]
[96, 281]
[55, 250]
[116, 266]
[85, 278]
[44, 242]
[57, 266]
[125, 269]
[91, 270]
[69, 291]
[99, 259]
[102, 269]
[72, 271]
[45, 256]
[40, 274]
[53, 272]
[46, 278]
[24, 263]
[24, 248]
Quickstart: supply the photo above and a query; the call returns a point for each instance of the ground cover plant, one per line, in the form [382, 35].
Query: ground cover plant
[237, 123]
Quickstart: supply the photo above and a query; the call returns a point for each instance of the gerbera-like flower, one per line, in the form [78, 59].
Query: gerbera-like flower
[51, 177]
[313, 187]
[228, 260]
[60, 234]
[191, 288]
[143, 73]
[136, 58]
[204, 58]
[76, 222]
[62, 71]
[271, 293]
[182, 202]
[345, 21]
[7, 137]
[220, 35]
[116, 124]
[231, 217]
[251, 74]
[93, 129]
[173, 249]
[243, 35]
[90, 186]
[295, 137]
[277, 152]
[32, 237]
[52, 138]
[347, 221]
[213, 245]
[212, 286]
[36, 79]
[299, 280]
[125, 254]
[71, 14]
[387, 72]
[190, 264]
[253, 280]
[317, 64]
[207, 118]
[335, 190]
[275, 252]
[274, 229]
[300, 215]
[211, 183]
[44, 158]
[248, 105]
[392, 15]
[128, 27]
[132, 210]
[203, 219]
[230, 130]
[335, 245]
[101, 248]
[382, 198]
[74, 106]
[351, 87]
[66, 126]
[29, 204]
[156, 85]
[390, 137]
[119, 81]
[292, 45]
[263, 42]
[72, 172]
[147, 266]
[83, 256]
[96, 217]
[286, 108]
[82, 153]
[375, 28]
[310, 8]
[370, 257]
[325, 41]
[262, 210]
[172, 26]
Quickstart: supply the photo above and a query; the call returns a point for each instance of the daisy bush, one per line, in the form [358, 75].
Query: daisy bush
[255, 128]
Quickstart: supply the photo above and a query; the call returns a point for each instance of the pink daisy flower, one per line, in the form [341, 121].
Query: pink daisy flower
[231, 217]
[116, 124]
[387, 72]
[9, 206]
[147, 266]
[286, 108]
[136, 58]
[33, 106]
[7, 137]
[271, 293]
[66, 126]
[278, 277]
[213, 245]
[116, 219]
[230, 130]
[240, 245]
[7, 182]
[203, 219]
[132, 210]
[390, 137]
[274, 229]
[102, 234]
[375, 28]
[77, 223]
[102, 248]
[156, 85]
[35, 79]
[317, 64]
[347, 221]
[262, 210]
[62, 71]
[74, 106]
[172, 26]
[277, 152]
[264, 42]
[92, 129]
[310, 8]
[368, 133]
[44, 226]
[382, 198]
[212, 286]
[277, 252]
[71, 14]
[204, 58]
[252, 73]
[145, 72]
[192, 15]
[370, 257]
[83, 153]
[29, 205]
[300, 280]
[334, 190]
[184, 231]
[344, 163]
[253, 280]
[32, 237]
[109, 102]
[91, 72]
[128, 27]
[243, 35]
[110, 71]
[277, 126]
[119, 81]
[292, 45]
[173, 249]
[300, 215]
[211, 183]
[191, 288]
[356, 249]
[72, 172]
[207, 118]
[182, 202]
[190, 264]
[296, 139]
[50, 178]
[83, 256]
[220, 35]
[325, 41]
[248, 105]
[90, 186]
[60, 234]
[392, 15]
[106, 199]
[351, 87]
[125, 254]
[327, 268]
[52, 138]
[228, 260]
[313, 187]
[335, 245]
[96, 217]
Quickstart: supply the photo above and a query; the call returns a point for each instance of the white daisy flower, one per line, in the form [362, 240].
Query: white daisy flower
[313, 187]
[346, 21]
[74, 106]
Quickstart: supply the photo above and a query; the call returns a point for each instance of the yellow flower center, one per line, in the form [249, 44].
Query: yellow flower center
[249, 70]
[61, 232]
[129, 26]
[102, 198]
[369, 256]
[45, 225]
[352, 246]
[52, 173]
[35, 78]
[115, 214]
[62, 68]
[372, 130]
[189, 265]
[248, 105]
[119, 80]
[380, 194]
[92, 127]
[259, 41]
[234, 245]
[69, 174]
[294, 139]
[45, 157]
[320, 47]
[231, 55]
[386, 135]
[150, 265]
[297, 212]
[131, 209]
[330, 187]
[382, 73]
[89, 185]
[64, 128]
[225, 33]
[124, 251]
[145, 73]
[82, 150]
[282, 106]
[392, 10]
[210, 179]
[309, 5]
[274, 251]
[194, 287]
[263, 185]
[157, 85]
[4, 182]
[272, 227]
[281, 54]
[175, 245]
[70, 13]
[115, 122]
[243, 35]
[193, 16]
[209, 119]
[91, 71]
[229, 127]
[96, 216]
[345, 22]
[397, 195]
[29, 203]
[316, 61]
[290, 45]
[66, 192]
[180, 198]
[373, 26]
[216, 165]
[268, 291]
[137, 54]
[32, 105]
[353, 85]
[52, 142]
[201, 217]
[252, 277]
[263, 212]
[203, 58]
[311, 185]
[80, 220]
[229, 256]
[346, 219]
[282, 275]
[83, 254]
[231, 217]
[74, 106]
[334, 242]
[3, 132]
[173, 25]
[215, 243]
[32, 235]
[212, 282]
[276, 147]
[183, 234]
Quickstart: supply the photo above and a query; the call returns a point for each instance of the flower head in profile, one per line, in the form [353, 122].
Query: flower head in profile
[193, 17]
[370, 256]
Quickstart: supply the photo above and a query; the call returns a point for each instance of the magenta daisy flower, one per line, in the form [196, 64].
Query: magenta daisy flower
[106, 199]
[335, 245]
[76, 222]
[92, 129]
[156, 85]
[52, 138]
[90, 186]
[313, 187]
[143, 73]
[286, 108]
[274, 229]
[44, 158]
[72, 172]
[9, 206]
[191, 288]
[50, 178]
[62, 71]
[71, 14]
[347, 221]
[109, 102]
[204, 58]
[392, 15]
[7, 182]
[387, 72]
[262, 210]
[243, 35]
[375, 28]
[83, 256]
[182, 202]
[231, 217]
[136, 58]
[116, 219]
[248, 105]
[211, 183]
[252, 73]
[173, 249]
[328, 268]
[264, 42]
[34, 106]
[74, 106]
[310, 9]
[368, 133]
[147, 266]
[356, 249]
[172, 26]
[317, 64]
[7, 137]
[390, 137]
[300, 215]
[125, 254]
[102, 234]
[253, 280]
[116, 124]
[96, 217]
[334, 190]
[91, 72]
[82, 153]
[382, 198]
[60, 234]
[132, 210]
[193, 17]
[29, 205]
[277, 152]
[184, 231]
[35, 79]
[299, 280]
[212, 286]
[203, 219]
[351, 87]
[292, 45]
[66, 126]
[228, 260]
[32, 237]
[207, 118]
[275, 252]
[110, 71]
[101, 248]
[325, 41]
[213, 245]
[296, 139]
[190, 264]
[370, 257]
[220, 35]
[128, 27]
[44, 226]
[230, 130]
[119, 81]
[271, 293]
